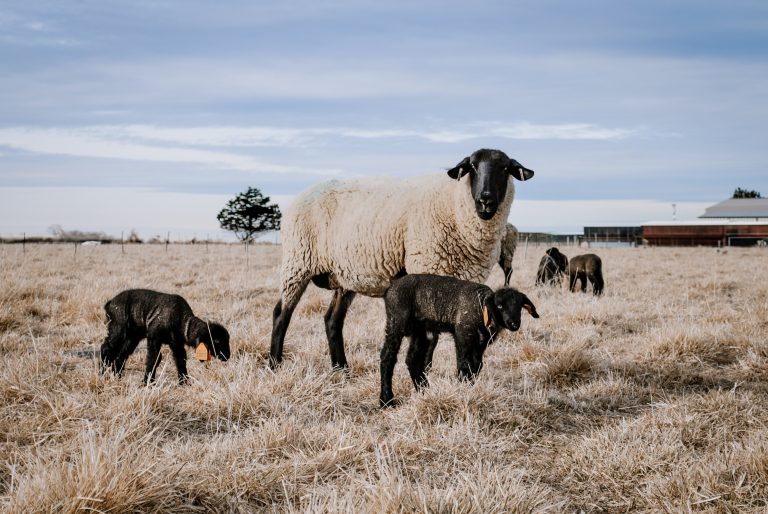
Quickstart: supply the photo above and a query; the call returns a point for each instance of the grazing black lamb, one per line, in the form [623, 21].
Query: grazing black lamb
[471, 312]
[583, 267]
[136, 314]
[552, 267]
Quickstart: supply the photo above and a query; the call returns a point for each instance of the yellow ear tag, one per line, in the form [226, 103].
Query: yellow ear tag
[486, 321]
[202, 354]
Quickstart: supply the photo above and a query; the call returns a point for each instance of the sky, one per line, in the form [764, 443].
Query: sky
[151, 115]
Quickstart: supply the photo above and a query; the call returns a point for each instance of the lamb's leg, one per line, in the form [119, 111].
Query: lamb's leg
[597, 283]
[393, 339]
[153, 359]
[469, 357]
[572, 282]
[334, 326]
[180, 357]
[417, 355]
[127, 349]
[281, 318]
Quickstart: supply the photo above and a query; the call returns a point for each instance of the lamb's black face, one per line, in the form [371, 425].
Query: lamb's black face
[510, 304]
[489, 172]
[219, 343]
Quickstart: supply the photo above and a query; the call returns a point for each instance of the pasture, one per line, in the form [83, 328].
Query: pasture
[653, 397]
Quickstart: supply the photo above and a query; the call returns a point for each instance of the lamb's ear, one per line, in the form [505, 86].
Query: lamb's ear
[528, 305]
[519, 171]
[460, 169]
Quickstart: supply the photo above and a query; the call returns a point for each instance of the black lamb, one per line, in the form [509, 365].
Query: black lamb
[471, 312]
[583, 267]
[552, 267]
[136, 314]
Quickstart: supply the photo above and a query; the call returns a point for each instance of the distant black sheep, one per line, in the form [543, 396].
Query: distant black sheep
[552, 267]
[136, 314]
[471, 312]
[583, 267]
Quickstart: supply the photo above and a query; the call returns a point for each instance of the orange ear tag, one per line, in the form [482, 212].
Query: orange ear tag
[202, 354]
[486, 321]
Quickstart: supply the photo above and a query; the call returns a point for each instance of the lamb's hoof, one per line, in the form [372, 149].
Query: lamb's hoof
[344, 369]
[388, 404]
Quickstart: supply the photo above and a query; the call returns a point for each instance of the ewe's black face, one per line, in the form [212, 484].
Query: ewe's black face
[509, 304]
[218, 344]
[489, 172]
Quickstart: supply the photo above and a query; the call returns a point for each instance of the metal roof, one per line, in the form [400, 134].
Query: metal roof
[738, 208]
[704, 223]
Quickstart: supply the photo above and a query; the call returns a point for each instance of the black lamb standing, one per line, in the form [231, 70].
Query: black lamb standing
[583, 267]
[161, 318]
[471, 312]
[552, 267]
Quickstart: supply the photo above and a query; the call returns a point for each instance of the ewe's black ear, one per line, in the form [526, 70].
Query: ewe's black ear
[528, 305]
[460, 169]
[519, 171]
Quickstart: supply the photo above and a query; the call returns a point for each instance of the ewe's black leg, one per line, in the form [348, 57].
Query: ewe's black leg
[507, 275]
[393, 338]
[334, 326]
[281, 318]
[153, 359]
[583, 281]
[416, 357]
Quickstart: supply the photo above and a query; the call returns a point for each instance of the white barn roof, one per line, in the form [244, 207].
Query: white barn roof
[754, 208]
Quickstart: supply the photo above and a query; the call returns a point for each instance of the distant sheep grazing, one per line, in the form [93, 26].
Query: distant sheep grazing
[508, 247]
[551, 267]
[583, 267]
[135, 314]
[471, 312]
[356, 236]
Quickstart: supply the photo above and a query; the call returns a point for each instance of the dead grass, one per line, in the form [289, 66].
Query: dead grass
[651, 398]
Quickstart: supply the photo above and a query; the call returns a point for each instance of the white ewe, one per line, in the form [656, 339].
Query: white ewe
[356, 236]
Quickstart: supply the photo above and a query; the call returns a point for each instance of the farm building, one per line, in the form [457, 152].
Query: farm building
[732, 222]
[705, 233]
[611, 234]
[755, 209]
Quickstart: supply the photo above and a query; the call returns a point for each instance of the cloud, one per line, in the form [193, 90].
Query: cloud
[191, 144]
[521, 130]
[99, 142]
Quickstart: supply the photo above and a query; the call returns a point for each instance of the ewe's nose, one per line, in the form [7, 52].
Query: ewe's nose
[486, 199]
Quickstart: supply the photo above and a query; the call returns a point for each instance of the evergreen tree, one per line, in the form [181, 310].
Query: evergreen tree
[248, 214]
[744, 193]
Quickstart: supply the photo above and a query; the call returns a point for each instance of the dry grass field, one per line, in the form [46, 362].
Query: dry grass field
[652, 398]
